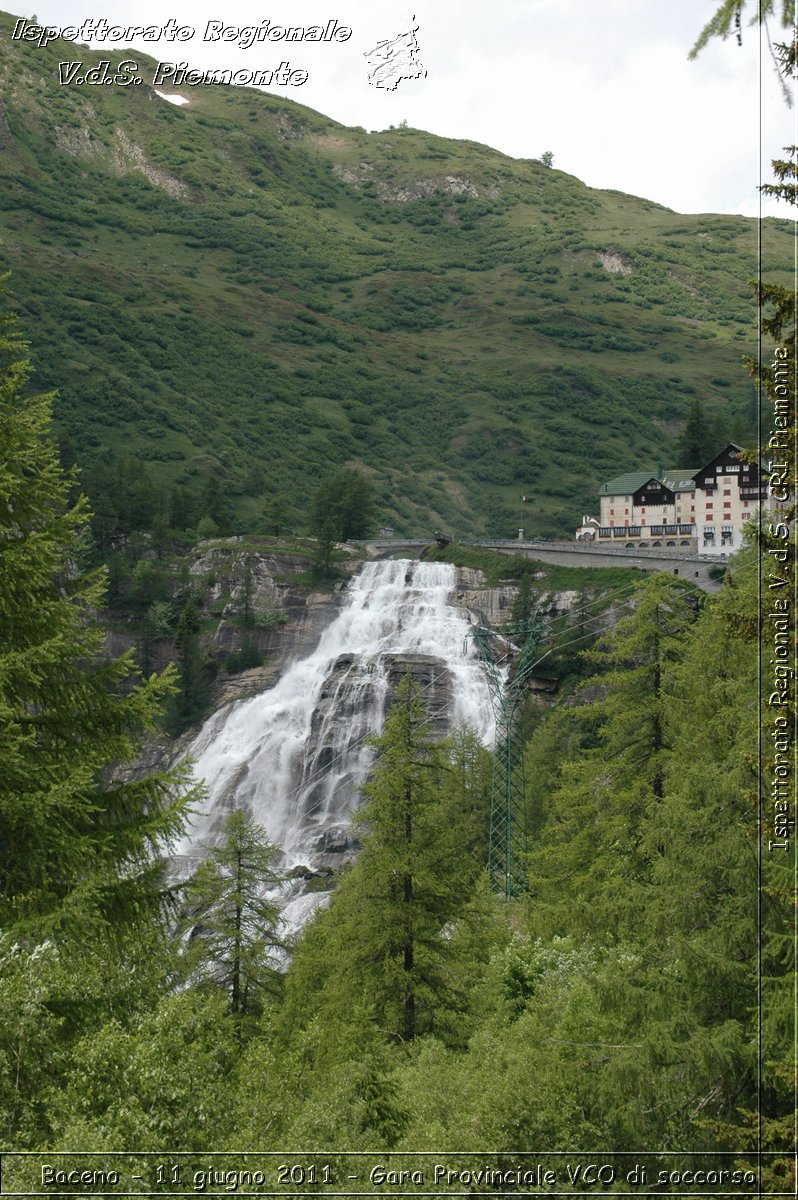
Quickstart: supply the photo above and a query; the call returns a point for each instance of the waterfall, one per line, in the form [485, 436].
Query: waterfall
[297, 755]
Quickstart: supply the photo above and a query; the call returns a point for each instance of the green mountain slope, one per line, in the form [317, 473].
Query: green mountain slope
[244, 288]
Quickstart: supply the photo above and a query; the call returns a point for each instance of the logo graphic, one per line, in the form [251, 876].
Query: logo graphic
[395, 59]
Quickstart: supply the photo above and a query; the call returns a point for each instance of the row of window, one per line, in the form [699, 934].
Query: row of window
[642, 509]
[710, 486]
[709, 504]
[681, 527]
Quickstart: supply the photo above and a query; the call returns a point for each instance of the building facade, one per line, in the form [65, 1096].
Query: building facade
[704, 510]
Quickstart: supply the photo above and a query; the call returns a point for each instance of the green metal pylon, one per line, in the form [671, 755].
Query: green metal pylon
[507, 845]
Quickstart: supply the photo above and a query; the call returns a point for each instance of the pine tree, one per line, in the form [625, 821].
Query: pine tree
[277, 514]
[193, 690]
[695, 447]
[80, 842]
[343, 505]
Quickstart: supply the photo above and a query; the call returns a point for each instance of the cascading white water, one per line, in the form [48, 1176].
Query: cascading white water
[297, 755]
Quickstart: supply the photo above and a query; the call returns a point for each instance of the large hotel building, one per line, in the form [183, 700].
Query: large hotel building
[703, 509]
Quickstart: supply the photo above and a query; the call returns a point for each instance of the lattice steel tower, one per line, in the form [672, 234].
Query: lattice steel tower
[507, 845]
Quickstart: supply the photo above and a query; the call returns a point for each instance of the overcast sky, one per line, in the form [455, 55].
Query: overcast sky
[605, 85]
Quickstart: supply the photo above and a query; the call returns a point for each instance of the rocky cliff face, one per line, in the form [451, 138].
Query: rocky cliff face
[261, 596]
[496, 603]
[296, 617]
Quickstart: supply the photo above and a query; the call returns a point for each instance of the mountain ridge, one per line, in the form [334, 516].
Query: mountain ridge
[244, 289]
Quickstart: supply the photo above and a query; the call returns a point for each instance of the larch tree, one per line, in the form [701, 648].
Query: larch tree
[277, 514]
[701, 908]
[770, 1114]
[398, 947]
[590, 868]
[695, 446]
[193, 684]
[385, 947]
[234, 917]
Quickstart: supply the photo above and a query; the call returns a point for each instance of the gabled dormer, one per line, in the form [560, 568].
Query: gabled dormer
[653, 492]
[729, 463]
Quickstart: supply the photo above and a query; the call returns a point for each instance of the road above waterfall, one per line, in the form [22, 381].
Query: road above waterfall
[700, 569]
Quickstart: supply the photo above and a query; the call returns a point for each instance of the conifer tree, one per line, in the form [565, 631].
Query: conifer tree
[771, 1122]
[183, 507]
[215, 506]
[769, 1113]
[80, 842]
[154, 629]
[701, 910]
[384, 942]
[343, 506]
[695, 445]
[590, 868]
[238, 943]
[277, 514]
[405, 879]
[324, 554]
[524, 601]
[728, 16]
[193, 688]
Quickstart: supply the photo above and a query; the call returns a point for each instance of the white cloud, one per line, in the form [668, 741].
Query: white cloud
[607, 87]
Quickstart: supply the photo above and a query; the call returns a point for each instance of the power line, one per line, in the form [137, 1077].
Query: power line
[322, 771]
[359, 741]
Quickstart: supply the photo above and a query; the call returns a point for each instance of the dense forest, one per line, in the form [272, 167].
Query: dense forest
[639, 993]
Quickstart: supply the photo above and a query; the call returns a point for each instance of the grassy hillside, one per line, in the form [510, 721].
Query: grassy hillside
[243, 288]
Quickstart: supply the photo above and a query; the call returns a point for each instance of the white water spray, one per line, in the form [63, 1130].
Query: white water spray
[297, 755]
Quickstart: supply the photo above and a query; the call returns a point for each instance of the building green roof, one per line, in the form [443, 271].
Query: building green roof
[626, 484]
[678, 479]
